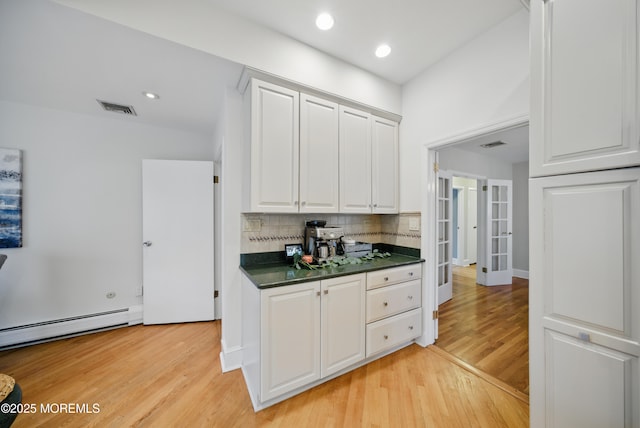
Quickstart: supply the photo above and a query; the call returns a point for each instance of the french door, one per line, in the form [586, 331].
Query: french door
[497, 268]
[444, 278]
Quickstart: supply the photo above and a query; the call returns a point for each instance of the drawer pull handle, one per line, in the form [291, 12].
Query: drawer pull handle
[386, 337]
[385, 303]
[410, 327]
[410, 297]
[386, 278]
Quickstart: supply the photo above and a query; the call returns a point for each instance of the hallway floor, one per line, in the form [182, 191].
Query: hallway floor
[487, 327]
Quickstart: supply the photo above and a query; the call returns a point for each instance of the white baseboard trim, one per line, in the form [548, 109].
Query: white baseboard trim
[31, 334]
[230, 358]
[521, 273]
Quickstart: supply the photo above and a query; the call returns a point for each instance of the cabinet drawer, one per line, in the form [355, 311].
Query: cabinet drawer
[393, 331]
[394, 299]
[381, 278]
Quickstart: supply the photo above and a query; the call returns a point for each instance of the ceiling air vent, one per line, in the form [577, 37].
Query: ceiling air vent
[117, 108]
[492, 145]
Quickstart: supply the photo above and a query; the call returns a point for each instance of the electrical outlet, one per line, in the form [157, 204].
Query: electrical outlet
[252, 225]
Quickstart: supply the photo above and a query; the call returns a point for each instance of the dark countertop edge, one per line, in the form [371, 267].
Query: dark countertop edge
[320, 276]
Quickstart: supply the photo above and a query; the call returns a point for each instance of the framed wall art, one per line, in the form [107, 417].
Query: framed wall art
[10, 198]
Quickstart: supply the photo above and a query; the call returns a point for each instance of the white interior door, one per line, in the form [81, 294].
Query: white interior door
[177, 235]
[498, 243]
[444, 234]
[472, 226]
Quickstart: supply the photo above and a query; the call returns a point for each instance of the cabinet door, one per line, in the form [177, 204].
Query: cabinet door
[290, 338]
[318, 155]
[343, 322]
[584, 301]
[355, 161]
[584, 79]
[384, 164]
[274, 148]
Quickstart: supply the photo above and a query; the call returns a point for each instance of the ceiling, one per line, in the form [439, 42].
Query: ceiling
[58, 57]
[420, 32]
[515, 149]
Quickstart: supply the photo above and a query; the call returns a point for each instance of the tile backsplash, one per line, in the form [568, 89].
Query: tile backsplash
[270, 232]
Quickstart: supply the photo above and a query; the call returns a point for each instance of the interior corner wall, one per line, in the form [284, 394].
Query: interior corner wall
[231, 187]
[82, 210]
[482, 83]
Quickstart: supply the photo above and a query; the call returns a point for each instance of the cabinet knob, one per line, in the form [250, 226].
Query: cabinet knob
[317, 293]
[410, 297]
[326, 291]
[375, 205]
[386, 337]
[303, 203]
[410, 273]
[410, 327]
[386, 278]
[295, 202]
[385, 303]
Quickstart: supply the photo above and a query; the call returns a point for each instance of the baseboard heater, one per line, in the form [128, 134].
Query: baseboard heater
[31, 334]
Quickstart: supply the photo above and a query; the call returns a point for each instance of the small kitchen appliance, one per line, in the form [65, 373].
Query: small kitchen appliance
[322, 242]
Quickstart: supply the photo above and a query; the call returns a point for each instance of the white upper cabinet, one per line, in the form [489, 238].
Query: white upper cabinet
[584, 78]
[274, 148]
[368, 163]
[384, 164]
[355, 161]
[308, 154]
[318, 155]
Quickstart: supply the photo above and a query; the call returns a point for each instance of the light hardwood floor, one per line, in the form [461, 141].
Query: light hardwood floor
[169, 376]
[487, 327]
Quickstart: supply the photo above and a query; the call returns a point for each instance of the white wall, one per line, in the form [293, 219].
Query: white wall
[456, 160]
[484, 82]
[521, 217]
[81, 210]
[201, 25]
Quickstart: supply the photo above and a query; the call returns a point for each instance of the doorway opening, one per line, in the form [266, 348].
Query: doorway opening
[485, 327]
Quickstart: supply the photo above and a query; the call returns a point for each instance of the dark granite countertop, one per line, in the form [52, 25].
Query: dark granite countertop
[279, 274]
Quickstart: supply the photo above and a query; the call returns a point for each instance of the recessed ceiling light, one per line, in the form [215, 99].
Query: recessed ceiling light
[383, 50]
[324, 21]
[151, 95]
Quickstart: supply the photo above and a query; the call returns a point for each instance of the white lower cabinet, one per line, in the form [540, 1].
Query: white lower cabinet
[295, 336]
[394, 313]
[290, 338]
[342, 322]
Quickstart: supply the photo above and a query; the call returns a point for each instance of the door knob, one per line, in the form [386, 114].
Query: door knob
[147, 243]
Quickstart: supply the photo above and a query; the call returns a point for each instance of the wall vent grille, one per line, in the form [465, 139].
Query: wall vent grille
[117, 108]
[492, 145]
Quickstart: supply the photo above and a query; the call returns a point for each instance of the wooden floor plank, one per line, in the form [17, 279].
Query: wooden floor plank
[488, 327]
[169, 375]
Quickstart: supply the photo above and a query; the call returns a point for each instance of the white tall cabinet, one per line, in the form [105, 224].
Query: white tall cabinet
[584, 302]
